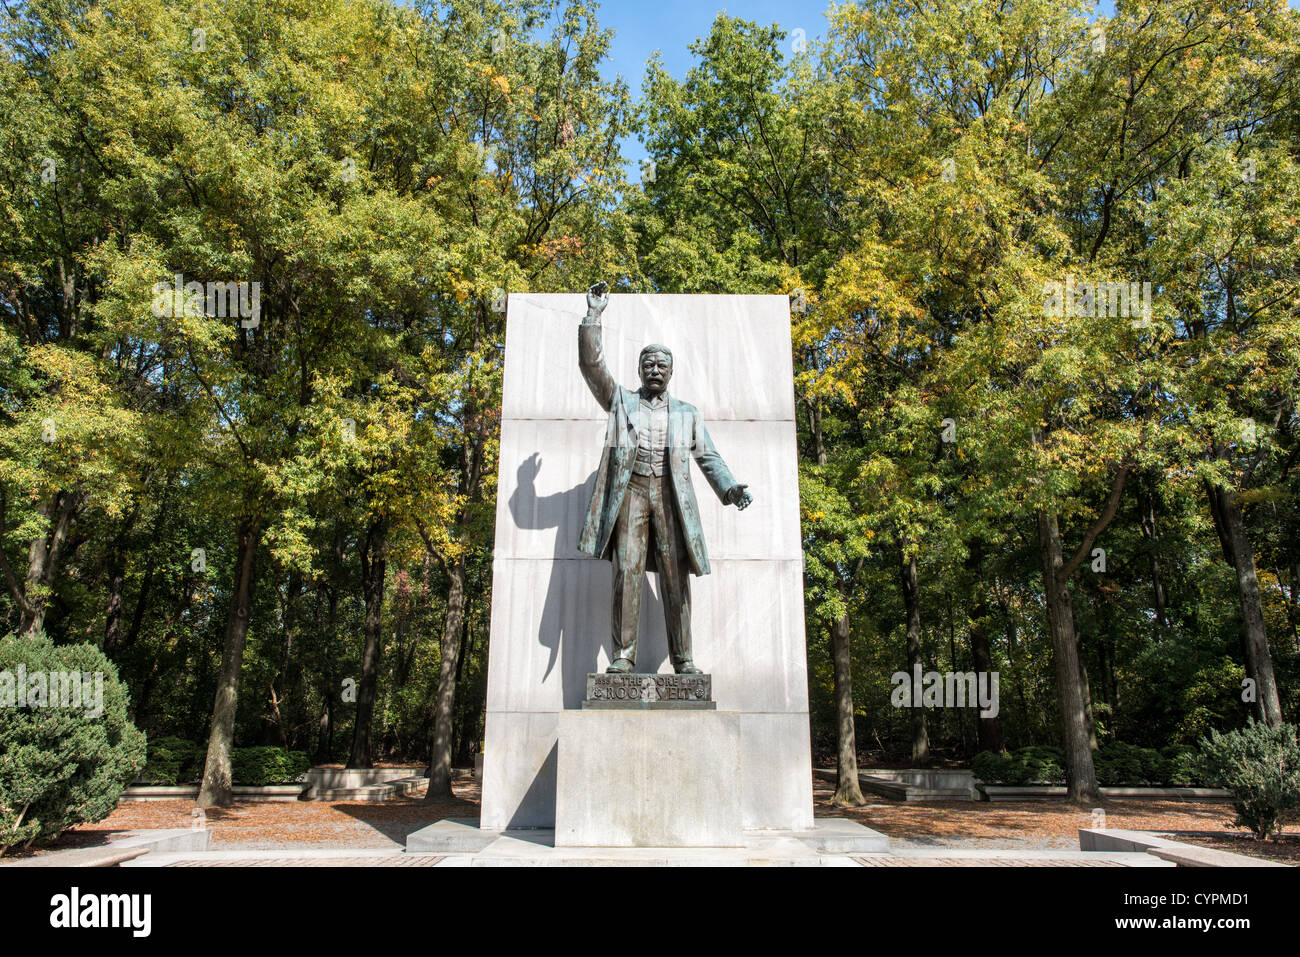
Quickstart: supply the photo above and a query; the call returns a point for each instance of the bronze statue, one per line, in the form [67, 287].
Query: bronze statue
[643, 495]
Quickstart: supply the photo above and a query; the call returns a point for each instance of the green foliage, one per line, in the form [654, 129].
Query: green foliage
[1036, 764]
[173, 760]
[1126, 765]
[259, 766]
[61, 766]
[1117, 764]
[1261, 767]
[1180, 767]
[380, 170]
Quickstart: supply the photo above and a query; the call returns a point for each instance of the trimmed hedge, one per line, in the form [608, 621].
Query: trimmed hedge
[173, 761]
[1037, 764]
[1118, 765]
[178, 761]
[60, 765]
[256, 767]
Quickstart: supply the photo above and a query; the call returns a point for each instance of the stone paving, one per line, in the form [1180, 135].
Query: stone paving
[340, 859]
[510, 852]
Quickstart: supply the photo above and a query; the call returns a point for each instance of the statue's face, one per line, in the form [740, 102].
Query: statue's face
[656, 370]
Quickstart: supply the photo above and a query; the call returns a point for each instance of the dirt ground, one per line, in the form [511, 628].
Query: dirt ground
[275, 825]
[1023, 825]
[1285, 851]
[1036, 825]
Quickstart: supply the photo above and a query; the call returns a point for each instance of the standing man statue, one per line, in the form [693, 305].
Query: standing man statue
[643, 514]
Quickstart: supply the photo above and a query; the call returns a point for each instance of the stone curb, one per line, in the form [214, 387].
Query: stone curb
[1047, 792]
[185, 792]
[1095, 839]
[122, 848]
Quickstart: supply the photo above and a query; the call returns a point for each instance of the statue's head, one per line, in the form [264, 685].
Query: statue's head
[656, 368]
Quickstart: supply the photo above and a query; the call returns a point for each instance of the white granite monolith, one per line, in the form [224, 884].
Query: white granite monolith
[648, 779]
[551, 604]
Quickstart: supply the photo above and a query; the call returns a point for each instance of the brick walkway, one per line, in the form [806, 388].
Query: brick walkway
[429, 861]
[393, 861]
[884, 861]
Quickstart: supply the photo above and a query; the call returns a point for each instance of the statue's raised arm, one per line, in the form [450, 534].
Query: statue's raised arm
[591, 352]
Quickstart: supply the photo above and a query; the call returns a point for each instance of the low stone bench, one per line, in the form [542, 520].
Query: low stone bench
[122, 847]
[362, 784]
[1176, 852]
[190, 792]
[107, 856]
[384, 791]
[1048, 792]
[920, 784]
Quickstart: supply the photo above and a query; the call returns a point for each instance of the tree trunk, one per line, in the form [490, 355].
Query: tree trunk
[1085, 689]
[989, 730]
[1110, 684]
[215, 791]
[288, 672]
[444, 707]
[1239, 552]
[462, 729]
[116, 590]
[325, 741]
[43, 560]
[848, 791]
[141, 604]
[1011, 630]
[144, 697]
[374, 561]
[1150, 531]
[471, 729]
[1075, 733]
[325, 730]
[124, 641]
[1293, 607]
[912, 602]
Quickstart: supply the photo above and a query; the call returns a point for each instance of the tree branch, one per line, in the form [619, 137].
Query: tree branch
[430, 547]
[1099, 526]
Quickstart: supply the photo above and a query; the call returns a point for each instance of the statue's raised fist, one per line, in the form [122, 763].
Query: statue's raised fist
[597, 298]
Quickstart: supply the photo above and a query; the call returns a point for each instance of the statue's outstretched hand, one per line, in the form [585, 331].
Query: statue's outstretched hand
[597, 299]
[739, 497]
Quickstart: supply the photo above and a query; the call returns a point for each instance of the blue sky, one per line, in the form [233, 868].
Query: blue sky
[671, 26]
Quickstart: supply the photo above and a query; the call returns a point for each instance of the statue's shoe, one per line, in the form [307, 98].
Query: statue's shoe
[688, 668]
[620, 666]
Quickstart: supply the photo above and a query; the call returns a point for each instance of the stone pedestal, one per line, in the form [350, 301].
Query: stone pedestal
[651, 777]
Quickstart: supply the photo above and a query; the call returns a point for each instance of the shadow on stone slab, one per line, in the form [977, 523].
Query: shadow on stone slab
[830, 835]
[462, 835]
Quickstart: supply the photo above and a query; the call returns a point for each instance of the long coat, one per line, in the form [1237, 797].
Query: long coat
[686, 433]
